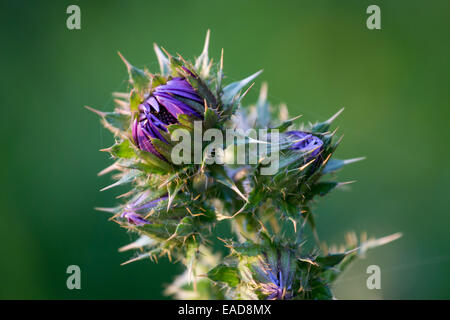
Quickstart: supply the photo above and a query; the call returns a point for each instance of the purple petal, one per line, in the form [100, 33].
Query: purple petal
[151, 204]
[155, 131]
[305, 142]
[177, 83]
[152, 102]
[134, 132]
[182, 94]
[188, 71]
[161, 109]
[134, 218]
[174, 106]
[144, 142]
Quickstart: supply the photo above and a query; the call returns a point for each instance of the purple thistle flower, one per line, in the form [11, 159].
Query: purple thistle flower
[306, 143]
[134, 218]
[276, 289]
[160, 110]
[276, 279]
[132, 210]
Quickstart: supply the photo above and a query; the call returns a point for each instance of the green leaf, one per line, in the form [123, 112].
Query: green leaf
[187, 120]
[135, 100]
[138, 77]
[324, 126]
[336, 164]
[173, 189]
[231, 90]
[163, 61]
[219, 174]
[322, 188]
[122, 150]
[284, 125]
[248, 248]
[126, 178]
[210, 119]
[113, 120]
[144, 167]
[225, 274]
[175, 66]
[319, 291]
[199, 107]
[117, 120]
[330, 260]
[202, 64]
[157, 230]
[158, 80]
[200, 86]
[185, 227]
[163, 148]
[307, 214]
[155, 161]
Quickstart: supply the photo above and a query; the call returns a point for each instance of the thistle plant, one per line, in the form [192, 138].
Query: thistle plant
[271, 249]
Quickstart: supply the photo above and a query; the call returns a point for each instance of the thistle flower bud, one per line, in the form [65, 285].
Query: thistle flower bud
[133, 210]
[161, 109]
[306, 143]
[264, 270]
[276, 276]
[134, 218]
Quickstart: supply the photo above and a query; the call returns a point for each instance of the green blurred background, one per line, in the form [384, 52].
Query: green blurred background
[318, 56]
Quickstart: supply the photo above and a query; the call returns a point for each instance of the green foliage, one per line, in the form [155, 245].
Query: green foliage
[225, 274]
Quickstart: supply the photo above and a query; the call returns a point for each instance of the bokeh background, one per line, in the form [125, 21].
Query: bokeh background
[318, 56]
